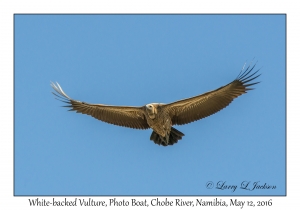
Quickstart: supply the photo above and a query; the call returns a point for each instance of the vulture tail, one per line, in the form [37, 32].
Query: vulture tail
[174, 136]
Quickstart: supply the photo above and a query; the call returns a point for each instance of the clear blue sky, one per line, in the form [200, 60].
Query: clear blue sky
[135, 60]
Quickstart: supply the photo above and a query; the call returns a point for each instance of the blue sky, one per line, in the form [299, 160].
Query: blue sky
[135, 60]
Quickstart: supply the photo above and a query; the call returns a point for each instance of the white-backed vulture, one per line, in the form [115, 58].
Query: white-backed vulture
[161, 117]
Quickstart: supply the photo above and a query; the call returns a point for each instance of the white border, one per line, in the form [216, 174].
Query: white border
[9, 7]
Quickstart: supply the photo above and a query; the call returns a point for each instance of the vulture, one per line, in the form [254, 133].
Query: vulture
[161, 117]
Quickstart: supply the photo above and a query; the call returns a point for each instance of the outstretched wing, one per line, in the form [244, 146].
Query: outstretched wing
[198, 107]
[127, 116]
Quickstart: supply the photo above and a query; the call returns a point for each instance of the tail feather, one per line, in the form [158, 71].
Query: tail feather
[174, 136]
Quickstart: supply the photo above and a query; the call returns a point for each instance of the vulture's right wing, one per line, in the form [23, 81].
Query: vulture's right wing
[127, 116]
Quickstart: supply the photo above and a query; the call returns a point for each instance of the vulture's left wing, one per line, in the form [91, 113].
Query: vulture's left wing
[198, 107]
[128, 116]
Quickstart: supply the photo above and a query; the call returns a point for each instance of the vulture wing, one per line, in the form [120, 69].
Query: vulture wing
[198, 107]
[127, 116]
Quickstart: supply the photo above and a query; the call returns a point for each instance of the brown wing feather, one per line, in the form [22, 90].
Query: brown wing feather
[127, 116]
[198, 107]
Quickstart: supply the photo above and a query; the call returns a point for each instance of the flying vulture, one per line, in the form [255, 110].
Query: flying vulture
[161, 117]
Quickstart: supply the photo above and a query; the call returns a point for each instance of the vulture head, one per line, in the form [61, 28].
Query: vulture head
[151, 110]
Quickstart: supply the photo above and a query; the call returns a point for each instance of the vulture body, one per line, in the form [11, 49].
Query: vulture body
[161, 117]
